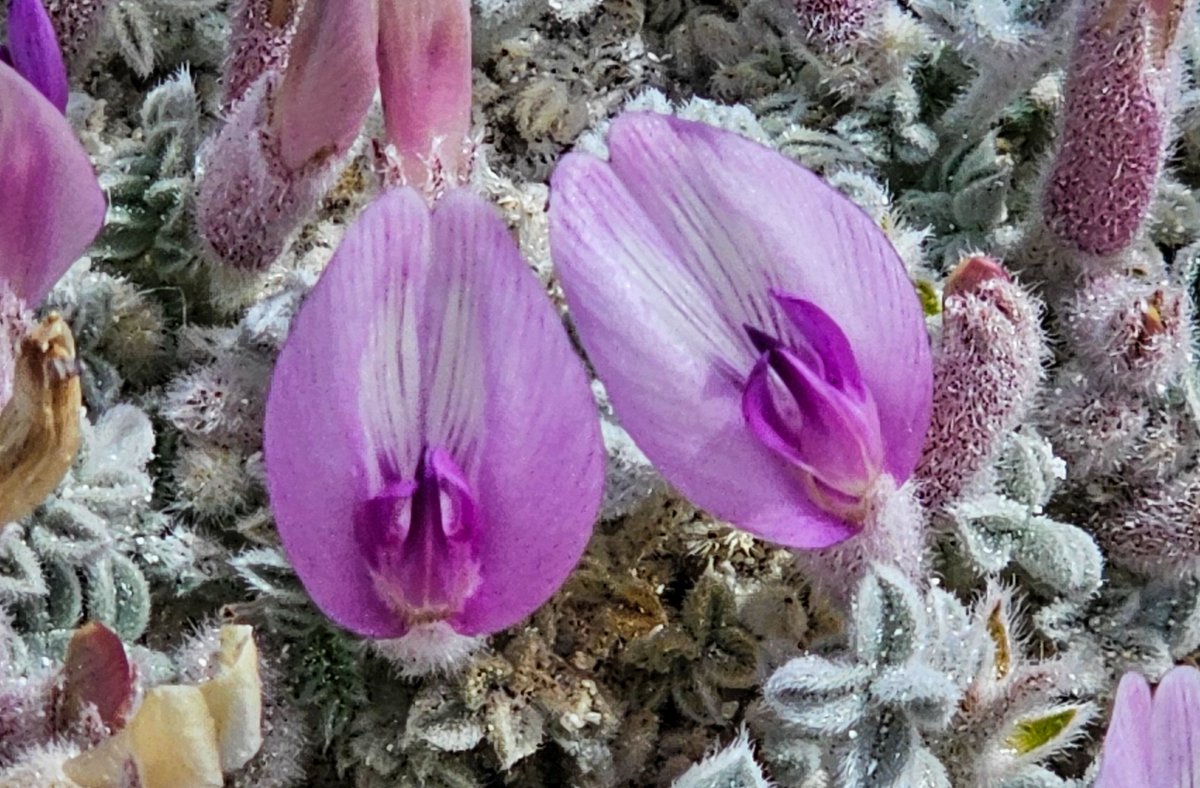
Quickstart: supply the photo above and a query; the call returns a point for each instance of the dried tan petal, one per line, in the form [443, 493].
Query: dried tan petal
[39, 427]
[174, 740]
[234, 697]
[105, 765]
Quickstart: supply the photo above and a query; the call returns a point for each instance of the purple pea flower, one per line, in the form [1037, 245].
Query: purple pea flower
[758, 335]
[33, 50]
[1153, 741]
[51, 206]
[433, 452]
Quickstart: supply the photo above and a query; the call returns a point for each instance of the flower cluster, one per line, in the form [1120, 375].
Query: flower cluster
[465, 452]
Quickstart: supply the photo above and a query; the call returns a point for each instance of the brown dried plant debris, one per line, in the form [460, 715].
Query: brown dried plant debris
[39, 427]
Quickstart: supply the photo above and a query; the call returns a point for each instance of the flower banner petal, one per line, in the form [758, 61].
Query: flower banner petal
[34, 52]
[741, 214]
[51, 206]
[671, 249]
[430, 333]
[1125, 759]
[656, 340]
[338, 369]
[538, 461]
[1175, 730]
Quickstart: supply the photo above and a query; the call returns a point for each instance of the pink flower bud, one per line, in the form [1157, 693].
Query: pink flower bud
[327, 88]
[425, 81]
[281, 149]
[988, 369]
[1158, 533]
[1118, 90]
[250, 203]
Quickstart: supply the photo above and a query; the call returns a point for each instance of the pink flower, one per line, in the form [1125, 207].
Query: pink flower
[433, 450]
[757, 334]
[51, 206]
[33, 50]
[1153, 740]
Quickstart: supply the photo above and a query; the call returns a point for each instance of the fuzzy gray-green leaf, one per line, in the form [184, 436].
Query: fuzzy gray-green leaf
[889, 617]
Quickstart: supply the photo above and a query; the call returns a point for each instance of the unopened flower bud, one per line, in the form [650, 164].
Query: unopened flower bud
[425, 82]
[1158, 533]
[251, 204]
[1131, 334]
[987, 371]
[281, 149]
[1117, 112]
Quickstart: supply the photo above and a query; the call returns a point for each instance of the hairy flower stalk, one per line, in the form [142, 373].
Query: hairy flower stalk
[290, 130]
[52, 208]
[1119, 99]
[757, 335]
[428, 383]
[1153, 739]
[988, 369]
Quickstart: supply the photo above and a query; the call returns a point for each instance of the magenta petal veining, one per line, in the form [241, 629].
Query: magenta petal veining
[757, 334]
[808, 404]
[433, 451]
[417, 537]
